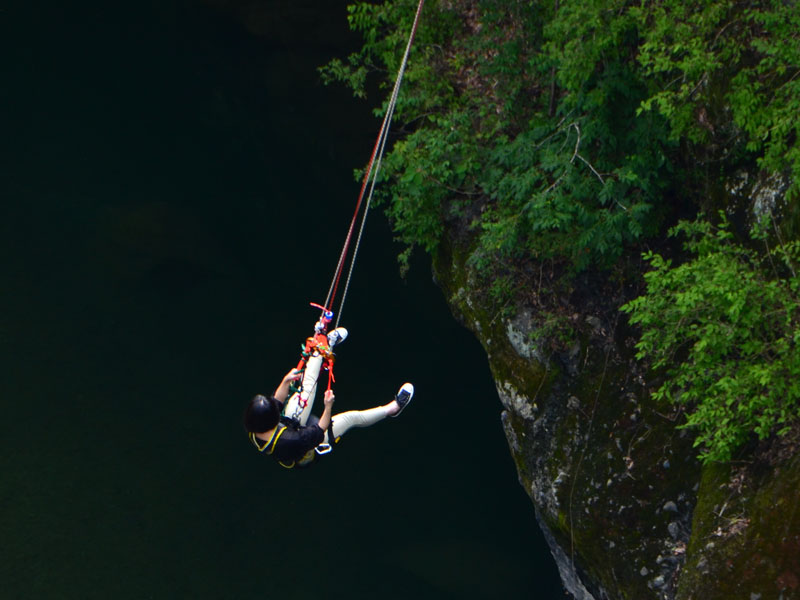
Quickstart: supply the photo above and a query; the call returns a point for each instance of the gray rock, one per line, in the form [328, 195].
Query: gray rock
[566, 568]
[674, 530]
[671, 507]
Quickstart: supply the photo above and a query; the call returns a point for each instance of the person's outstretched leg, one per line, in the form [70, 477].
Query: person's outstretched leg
[343, 422]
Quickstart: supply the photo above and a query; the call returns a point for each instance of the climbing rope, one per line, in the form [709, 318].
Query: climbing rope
[318, 343]
[370, 177]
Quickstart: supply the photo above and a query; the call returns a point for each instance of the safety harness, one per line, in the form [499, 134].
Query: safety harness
[317, 343]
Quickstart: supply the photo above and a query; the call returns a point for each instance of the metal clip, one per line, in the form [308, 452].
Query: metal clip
[323, 448]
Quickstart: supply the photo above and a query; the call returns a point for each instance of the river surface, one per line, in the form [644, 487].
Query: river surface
[175, 185]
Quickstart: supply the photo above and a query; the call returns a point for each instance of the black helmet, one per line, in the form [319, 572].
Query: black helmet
[262, 414]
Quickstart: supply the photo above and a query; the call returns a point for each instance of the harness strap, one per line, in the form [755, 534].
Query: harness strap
[316, 343]
[331, 378]
[273, 440]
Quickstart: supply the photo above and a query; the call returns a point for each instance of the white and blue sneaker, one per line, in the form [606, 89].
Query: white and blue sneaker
[337, 336]
[403, 397]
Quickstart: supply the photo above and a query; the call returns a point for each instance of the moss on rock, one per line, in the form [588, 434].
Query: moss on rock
[745, 534]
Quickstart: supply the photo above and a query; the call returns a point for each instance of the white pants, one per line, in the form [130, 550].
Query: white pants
[342, 422]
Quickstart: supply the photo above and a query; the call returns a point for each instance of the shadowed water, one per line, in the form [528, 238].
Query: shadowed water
[175, 188]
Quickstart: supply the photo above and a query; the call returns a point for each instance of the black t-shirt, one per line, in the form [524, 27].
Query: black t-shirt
[294, 443]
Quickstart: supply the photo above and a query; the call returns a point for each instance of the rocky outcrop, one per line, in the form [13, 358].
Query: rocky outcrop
[627, 509]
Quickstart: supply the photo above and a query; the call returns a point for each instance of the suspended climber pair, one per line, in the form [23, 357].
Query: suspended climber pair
[282, 426]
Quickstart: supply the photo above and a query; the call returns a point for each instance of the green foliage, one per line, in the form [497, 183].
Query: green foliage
[556, 331]
[724, 327]
[437, 156]
[565, 126]
[718, 63]
[527, 115]
[583, 182]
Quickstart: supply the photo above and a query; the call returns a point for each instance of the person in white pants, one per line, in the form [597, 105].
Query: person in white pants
[286, 429]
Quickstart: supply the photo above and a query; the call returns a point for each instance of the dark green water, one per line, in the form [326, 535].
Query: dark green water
[174, 190]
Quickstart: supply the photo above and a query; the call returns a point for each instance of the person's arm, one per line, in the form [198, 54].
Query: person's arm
[325, 419]
[282, 392]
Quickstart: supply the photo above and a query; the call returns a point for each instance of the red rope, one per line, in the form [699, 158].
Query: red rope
[346, 247]
[331, 378]
[349, 238]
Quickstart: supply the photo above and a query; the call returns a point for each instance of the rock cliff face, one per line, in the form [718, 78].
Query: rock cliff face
[627, 509]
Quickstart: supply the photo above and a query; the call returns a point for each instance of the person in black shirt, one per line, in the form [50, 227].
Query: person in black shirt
[288, 432]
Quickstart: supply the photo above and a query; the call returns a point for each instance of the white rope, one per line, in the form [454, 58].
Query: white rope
[372, 173]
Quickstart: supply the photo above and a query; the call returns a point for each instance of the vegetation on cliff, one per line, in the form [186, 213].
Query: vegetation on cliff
[724, 326]
[577, 134]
